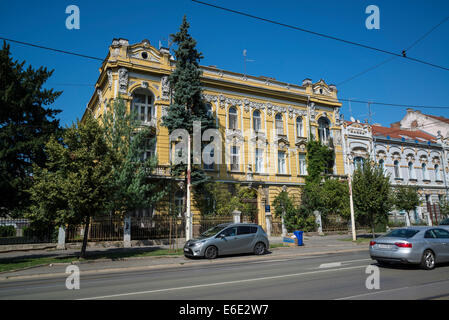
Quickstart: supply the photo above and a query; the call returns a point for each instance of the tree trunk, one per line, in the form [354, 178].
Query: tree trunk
[85, 238]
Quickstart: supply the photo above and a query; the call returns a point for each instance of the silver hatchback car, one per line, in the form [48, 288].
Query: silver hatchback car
[425, 246]
[228, 238]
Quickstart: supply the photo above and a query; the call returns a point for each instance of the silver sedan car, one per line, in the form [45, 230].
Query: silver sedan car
[228, 238]
[425, 246]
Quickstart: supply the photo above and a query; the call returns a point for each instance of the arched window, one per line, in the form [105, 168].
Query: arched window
[411, 171]
[323, 129]
[179, 202]
[397, 173]
[142, 106]
[256, 121]
[299, 127]
[437, 172]
[424, 172]
[279, 124]
[232, 118]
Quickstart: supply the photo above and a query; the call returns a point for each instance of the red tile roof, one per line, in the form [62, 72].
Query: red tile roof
[443, 119]
[398, 133]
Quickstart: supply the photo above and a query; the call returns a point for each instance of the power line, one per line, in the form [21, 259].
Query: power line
[321, 34]
[390, 59]
[394, 104]
[52, 49]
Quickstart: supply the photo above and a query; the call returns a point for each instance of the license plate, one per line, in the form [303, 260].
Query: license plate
[384, 246]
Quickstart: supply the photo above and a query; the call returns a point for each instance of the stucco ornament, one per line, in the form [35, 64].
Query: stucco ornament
[123, 80]
[165, 84]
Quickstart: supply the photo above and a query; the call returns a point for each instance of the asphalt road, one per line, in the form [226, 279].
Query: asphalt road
[332, 276]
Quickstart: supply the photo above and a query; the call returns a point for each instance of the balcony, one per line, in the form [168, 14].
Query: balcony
[161, 171]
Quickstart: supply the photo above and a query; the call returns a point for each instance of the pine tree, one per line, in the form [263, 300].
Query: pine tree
[128, 141]
[25, 126]
[187, 102]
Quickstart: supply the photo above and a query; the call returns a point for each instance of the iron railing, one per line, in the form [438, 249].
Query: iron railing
[20, 231]
[157, 227]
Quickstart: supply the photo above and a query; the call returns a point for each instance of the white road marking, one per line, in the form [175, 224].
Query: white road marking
[330, 265]
[222, 283]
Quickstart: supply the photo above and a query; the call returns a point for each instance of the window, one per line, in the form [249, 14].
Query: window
[424, 172]
[299, 127]
[229, 232]
[302, 164]
[142, 107]
[402, 233]
[211, 165]
[411, 171]
[148, 150]
[235, 158]
[243, 230]
[382, 164]
[209, 110]
[179, 202]
[232, 118]
[437, 172]
[441, 234]
[281, 162]
[256, 121]
[358, 163]
[259, 160]
[396, 169]
[279, 123]
[323, 129]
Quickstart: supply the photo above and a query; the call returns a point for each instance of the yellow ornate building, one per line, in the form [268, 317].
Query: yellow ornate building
[265, 124]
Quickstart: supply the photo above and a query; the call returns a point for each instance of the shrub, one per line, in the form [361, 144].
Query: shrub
[7, 231]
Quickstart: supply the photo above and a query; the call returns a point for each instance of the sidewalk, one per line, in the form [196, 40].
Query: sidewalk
[313, 245]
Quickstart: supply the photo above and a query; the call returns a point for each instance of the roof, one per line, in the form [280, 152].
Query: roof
[443, 119]
[396, 133]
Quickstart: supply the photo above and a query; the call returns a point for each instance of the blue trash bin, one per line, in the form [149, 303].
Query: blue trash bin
[298, 235]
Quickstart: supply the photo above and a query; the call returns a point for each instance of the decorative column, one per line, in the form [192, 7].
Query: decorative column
[318, 222]
[268, 223]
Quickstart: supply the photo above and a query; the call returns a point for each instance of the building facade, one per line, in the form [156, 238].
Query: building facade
[264, 123]
[409, 157]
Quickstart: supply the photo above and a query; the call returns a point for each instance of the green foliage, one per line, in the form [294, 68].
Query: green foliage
[335, 198]
[444, 207]
[320, 160]
[406, 198]
[294, 217]
[7, 231]
[25, 126]
[188, 105]
[74, 186]
[128, 140]
[371, 194]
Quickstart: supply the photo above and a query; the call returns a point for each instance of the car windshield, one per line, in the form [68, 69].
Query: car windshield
[402, 233]
[212, 231]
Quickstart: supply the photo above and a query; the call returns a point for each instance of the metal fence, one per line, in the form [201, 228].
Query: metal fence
[334, 223]
[205, 222]
[157, 227]
[276, 228]
[100, 229]
[20, 231]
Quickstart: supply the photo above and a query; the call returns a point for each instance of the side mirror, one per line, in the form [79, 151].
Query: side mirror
[221, 236]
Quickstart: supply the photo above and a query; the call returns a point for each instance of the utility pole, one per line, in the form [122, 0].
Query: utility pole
[351, 202]
[189, 234]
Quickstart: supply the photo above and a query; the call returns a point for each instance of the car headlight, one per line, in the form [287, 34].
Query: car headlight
[198, 244]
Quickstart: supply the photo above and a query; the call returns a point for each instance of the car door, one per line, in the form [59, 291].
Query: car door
[227, 240]
[435, 244]
[245, 239]
[443, 238]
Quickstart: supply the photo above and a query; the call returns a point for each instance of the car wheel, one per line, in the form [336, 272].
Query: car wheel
[259, 248]
[428, 260]
[211, 252]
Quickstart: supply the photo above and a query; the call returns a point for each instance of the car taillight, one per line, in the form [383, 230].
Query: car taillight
[372, 243]
[403, 244]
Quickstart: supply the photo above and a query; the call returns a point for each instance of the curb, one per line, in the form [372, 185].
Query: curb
[170, 265]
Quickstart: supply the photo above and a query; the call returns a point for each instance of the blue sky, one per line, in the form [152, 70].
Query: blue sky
[284, 54]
